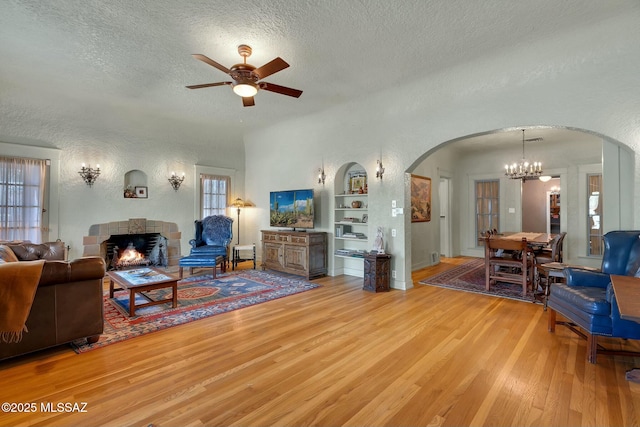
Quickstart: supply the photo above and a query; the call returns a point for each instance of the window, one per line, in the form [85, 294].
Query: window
[215, 194]
[487, 206]
[22, 188]
[594, 214]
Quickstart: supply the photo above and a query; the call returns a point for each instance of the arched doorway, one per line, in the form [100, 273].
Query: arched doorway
[570, 154]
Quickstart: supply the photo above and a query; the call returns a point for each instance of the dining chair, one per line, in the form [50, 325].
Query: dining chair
[509, 261]
[545, 256]
[554, 252]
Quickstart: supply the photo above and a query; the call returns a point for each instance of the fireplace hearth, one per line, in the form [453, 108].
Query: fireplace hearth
[135, 250]
[156, 242]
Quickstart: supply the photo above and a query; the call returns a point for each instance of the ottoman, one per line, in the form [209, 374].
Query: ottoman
[202, 261]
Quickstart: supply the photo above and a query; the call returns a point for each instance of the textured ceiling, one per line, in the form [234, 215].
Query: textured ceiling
[89, 57]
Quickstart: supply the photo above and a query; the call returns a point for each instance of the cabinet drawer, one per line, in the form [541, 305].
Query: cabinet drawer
[269, 237]
[299, 239]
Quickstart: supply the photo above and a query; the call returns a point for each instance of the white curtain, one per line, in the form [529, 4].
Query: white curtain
[21, 198]
[215, 194]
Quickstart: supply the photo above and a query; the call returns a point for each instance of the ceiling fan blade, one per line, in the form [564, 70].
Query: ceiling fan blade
[281, 89]
[248, 101]
[208, 85]
[272, 67]
[211, 62]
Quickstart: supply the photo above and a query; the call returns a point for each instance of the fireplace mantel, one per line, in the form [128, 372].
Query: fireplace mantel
[98, 233]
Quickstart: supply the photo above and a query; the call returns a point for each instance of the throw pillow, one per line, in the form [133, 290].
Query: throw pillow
[7, 255]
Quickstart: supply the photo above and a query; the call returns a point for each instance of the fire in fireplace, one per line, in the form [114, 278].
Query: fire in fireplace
[134, 250]
[130, 257]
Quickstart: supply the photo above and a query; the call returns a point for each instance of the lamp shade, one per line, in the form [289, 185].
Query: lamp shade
[238, 203]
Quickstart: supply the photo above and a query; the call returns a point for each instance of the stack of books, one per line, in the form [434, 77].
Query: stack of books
[354, 235]
[349, 219]
[343, 252]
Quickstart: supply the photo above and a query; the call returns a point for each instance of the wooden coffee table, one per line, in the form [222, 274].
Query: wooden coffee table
[140, 280]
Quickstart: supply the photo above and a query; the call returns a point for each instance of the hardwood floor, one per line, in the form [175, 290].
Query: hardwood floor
[337, 356]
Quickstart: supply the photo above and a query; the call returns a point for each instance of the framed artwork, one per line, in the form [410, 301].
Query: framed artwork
[141, 192]
[357, 182]
[420, 198]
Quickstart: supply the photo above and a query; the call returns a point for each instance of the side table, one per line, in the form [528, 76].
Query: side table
[236, 258]
[377, 269]
[552, 272]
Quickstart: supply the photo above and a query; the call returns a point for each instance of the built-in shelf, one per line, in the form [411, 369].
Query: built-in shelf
[349, 179]
[348, 257]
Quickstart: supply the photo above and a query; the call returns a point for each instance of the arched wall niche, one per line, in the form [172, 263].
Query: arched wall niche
[350, 220]
[135, 184]
[342, 181]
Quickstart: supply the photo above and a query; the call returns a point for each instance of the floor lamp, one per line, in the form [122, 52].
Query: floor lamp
[238, 203]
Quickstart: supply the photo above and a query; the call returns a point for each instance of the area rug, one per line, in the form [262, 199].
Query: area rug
[470, 277]
[198, 297]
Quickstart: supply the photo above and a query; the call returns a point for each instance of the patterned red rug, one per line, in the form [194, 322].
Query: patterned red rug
[198, 297]
[470, 277]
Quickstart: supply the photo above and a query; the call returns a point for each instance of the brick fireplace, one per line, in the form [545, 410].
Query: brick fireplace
[96, 243]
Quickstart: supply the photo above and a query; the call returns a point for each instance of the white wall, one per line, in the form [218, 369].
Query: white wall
[583, 80]
[121, 147]
[425, 236]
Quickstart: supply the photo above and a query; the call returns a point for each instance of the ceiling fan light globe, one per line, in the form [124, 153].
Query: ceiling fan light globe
[245, 90]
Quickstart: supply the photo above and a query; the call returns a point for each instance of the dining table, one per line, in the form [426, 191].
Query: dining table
[534, 239]
[535, 242]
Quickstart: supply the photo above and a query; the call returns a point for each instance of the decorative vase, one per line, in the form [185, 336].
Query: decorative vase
[356, 204]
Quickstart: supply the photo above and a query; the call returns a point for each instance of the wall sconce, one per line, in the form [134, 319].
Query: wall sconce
[89, 174]
[321, 175]
[176, 180]
[379, 169]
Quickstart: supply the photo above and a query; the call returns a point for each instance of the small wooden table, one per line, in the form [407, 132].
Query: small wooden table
[236, 258]
[140, 280]
[627, 290]
[377, 268]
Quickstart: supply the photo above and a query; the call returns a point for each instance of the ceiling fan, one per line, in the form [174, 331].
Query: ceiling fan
[247, 79]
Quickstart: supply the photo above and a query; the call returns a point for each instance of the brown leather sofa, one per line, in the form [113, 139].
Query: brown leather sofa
[68, 304]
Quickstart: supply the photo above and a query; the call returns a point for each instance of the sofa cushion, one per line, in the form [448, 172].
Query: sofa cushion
[592, 300]
[77, 270]
[7, 255]
[34, 251]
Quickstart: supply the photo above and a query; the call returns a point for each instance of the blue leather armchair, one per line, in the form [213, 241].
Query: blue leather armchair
[213, 237]
[587, 299]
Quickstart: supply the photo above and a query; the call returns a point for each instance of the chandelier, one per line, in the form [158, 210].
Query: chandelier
[524, 169]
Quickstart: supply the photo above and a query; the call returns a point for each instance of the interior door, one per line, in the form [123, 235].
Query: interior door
[445, 220]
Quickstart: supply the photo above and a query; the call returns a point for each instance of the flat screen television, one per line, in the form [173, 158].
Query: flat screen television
[291, 209]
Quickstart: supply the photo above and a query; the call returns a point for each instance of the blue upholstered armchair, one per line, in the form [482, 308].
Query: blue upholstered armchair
[213, 236]
[587, 299]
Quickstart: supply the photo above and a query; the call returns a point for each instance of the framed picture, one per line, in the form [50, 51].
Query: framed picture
[420, 198]
[365, 218]
[141, 192]
[357, 182]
